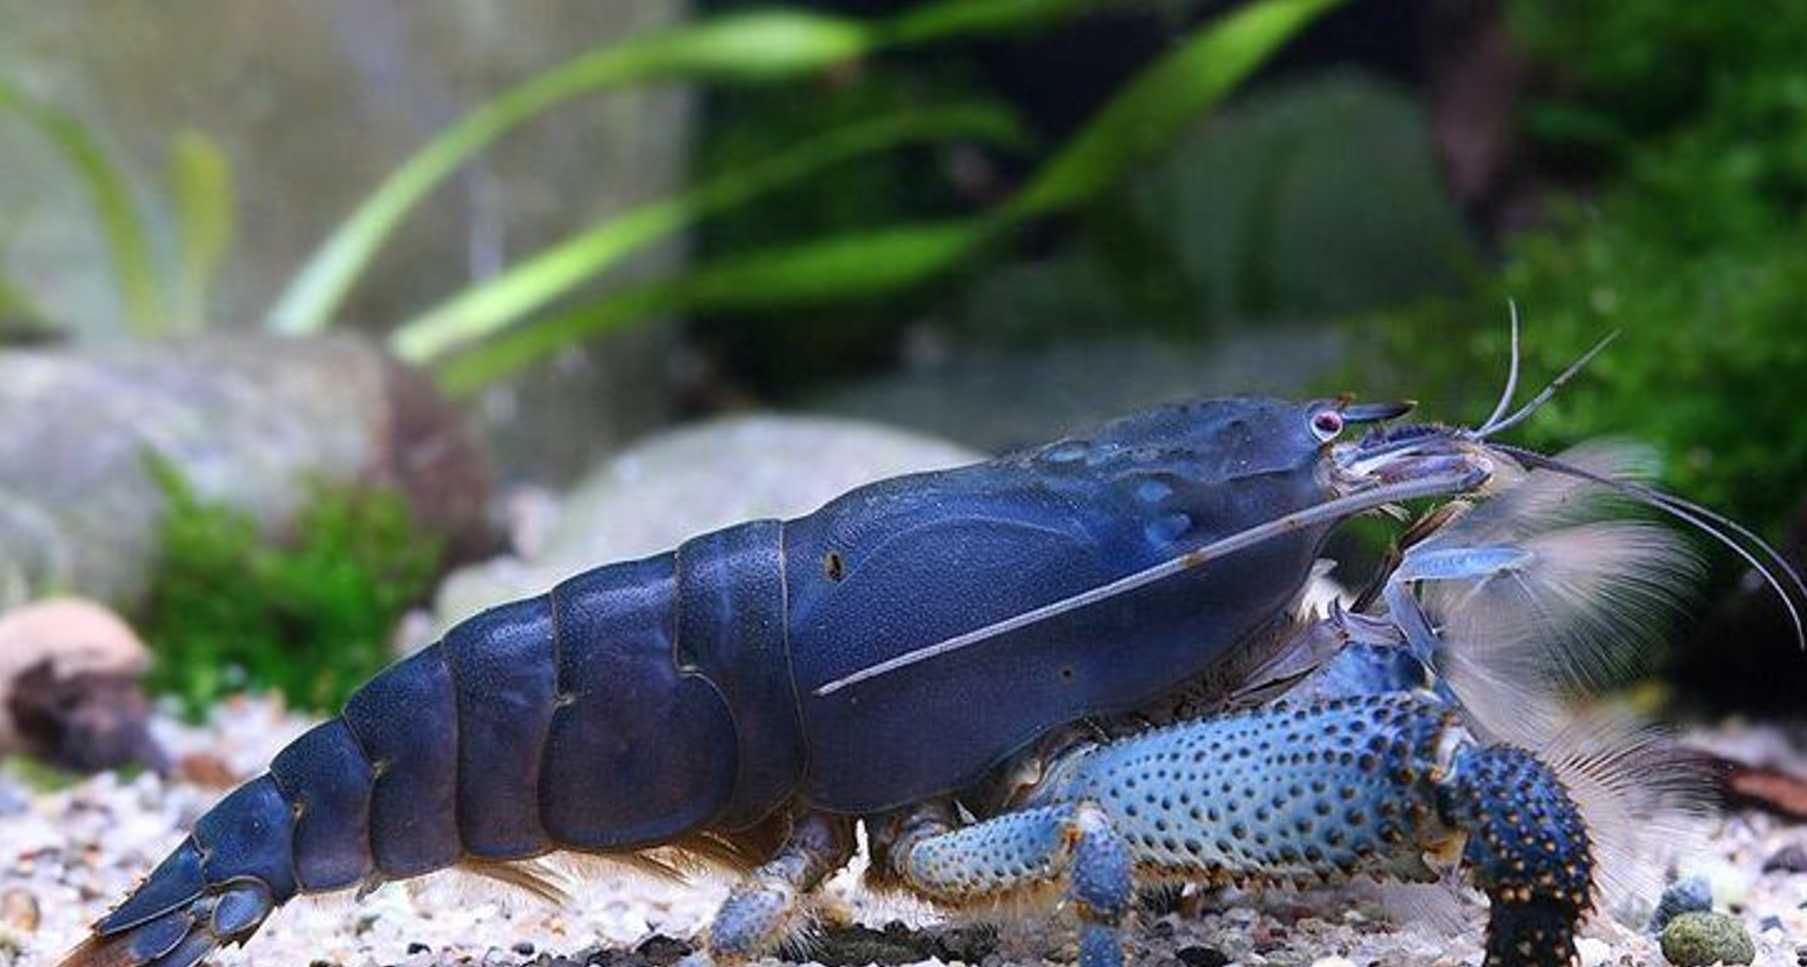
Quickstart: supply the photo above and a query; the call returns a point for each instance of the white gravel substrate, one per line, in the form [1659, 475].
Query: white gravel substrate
[68, 856]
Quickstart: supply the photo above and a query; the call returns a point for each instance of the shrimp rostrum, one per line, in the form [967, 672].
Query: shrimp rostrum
[916, 654]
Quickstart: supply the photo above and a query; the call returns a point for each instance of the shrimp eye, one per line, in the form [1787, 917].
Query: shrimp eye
[1327, 424]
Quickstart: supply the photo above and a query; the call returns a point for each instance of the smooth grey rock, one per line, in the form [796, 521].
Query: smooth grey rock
[675, 485]
[246, 420]
[1699, 939]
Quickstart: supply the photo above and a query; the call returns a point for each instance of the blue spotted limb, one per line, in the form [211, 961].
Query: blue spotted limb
[1021, 855]
[1387, 785]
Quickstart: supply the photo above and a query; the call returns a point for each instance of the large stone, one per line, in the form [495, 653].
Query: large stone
[249, 421]
[685, 482]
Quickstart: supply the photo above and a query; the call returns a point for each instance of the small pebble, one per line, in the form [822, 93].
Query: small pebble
[209, 770]
[1202, 957]
[524, 948]
[1731, 882]
[416, 947]
[856, 945]
[12, 799]
[1698, 939]
[970, 944]
[1690, 894]
[1789, 859]
[1594, 952]
[661, 950]
[19, 910]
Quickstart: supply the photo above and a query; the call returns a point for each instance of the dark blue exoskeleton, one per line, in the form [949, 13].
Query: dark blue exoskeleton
[641, 702]
[722, 697]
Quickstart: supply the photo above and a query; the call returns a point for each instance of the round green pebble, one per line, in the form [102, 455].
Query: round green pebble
[1701, 938]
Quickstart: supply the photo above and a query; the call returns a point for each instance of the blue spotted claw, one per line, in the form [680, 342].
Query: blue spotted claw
[1527, 850]
[1390, 785]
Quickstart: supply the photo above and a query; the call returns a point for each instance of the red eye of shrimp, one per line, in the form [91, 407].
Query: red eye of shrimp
[1327, 424]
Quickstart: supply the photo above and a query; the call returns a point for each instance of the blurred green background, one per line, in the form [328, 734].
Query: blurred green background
[985, 219]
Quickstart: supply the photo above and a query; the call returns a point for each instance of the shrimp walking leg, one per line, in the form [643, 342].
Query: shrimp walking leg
[1441, 564]
[762, 911]
[1022, 853]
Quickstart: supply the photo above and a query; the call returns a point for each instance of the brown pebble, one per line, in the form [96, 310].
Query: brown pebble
[19, 910]
[206, 769]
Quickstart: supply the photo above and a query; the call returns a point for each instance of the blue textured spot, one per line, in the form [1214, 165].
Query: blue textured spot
[1152, 491]
[1168, 528]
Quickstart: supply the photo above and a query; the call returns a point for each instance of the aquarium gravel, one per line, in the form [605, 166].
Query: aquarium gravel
[70, 852]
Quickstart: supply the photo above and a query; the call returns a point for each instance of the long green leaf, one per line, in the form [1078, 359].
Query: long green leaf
[125, 235]
[1163, 100]
[746, 47]
[950, 19]
[1156, 107]
[750, 47]
[484, 309]
[862, 265]
[201, 185]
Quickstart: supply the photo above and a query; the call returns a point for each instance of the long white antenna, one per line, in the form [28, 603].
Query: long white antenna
[1524, 412]
[1499, 409]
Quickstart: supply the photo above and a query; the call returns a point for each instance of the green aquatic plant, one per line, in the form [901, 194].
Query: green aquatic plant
[37, 775]
[755, 47]
[531, 283]
[1707, 368]
[309, 615]
[1151, 111]
[1695, 246]
[158, 295]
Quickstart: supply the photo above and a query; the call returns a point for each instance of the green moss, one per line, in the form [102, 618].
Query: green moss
[35, 775]
[1696, 248]
[310, 616]
[1708, 368]
[1621, 74]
